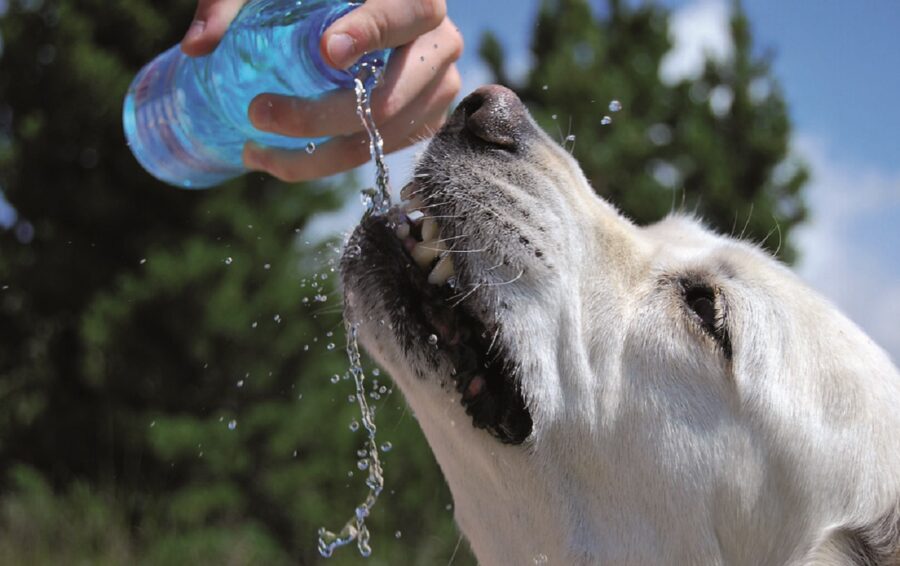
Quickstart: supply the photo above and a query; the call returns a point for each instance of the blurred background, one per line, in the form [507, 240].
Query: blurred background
[172, 379]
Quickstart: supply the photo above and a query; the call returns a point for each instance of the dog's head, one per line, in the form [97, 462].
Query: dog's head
[593, 389]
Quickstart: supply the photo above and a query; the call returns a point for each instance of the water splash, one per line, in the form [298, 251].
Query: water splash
[355, 528]
[368, 78]
[377, 201]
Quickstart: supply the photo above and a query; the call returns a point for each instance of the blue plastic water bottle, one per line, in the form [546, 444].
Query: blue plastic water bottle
[186, 118]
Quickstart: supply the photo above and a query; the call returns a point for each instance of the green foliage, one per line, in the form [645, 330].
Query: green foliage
[717, 144]
[138, 321]
[79, 527]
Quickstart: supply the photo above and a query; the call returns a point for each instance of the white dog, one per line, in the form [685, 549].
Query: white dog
[601, 393]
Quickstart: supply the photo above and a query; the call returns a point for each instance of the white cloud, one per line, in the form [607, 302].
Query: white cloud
[848, 249]
[699, 31]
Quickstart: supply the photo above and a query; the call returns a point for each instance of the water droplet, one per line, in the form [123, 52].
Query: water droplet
[152, 424]
[376, 372]
[277, 318]
[605, 121]
[330, 346]
[433, 339]
[449, 507]
[354, 426]
[310, 148]
[254, 325]
[615, 105]
[386, 446]
[295, 454]
[398, 534]
[363, 464]
[362, 453]
[553, 116]
[570, 138]
[545, 87]
[240, 383]
[335, 378]
[232, 424]
[143, 261]
[228, 260]
[267, 266]
[351, 398]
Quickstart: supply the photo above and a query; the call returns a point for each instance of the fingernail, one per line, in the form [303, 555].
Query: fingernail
[261, 113]
[341, 50]
[195, 31]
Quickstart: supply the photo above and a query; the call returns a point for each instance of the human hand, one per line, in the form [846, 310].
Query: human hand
[419, 84]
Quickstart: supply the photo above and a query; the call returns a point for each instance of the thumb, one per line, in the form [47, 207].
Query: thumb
[210, 23]
[379, 24]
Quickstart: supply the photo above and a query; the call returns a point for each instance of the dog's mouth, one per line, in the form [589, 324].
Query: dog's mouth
[406, 259]
[425, 278]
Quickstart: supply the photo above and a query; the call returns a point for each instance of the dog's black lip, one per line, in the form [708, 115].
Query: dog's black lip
[418, 309]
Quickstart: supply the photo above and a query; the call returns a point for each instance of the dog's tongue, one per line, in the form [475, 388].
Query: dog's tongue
[476, 386]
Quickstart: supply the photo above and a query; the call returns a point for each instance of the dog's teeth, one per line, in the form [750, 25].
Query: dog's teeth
[415, 203]
[425, 252]
[442, 271]
[407, 191]
[429, 229]
[402, 231]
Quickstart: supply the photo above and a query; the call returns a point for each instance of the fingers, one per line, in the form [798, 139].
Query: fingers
[379, 24]
[343, 153]
[211, 20]
[412, 69]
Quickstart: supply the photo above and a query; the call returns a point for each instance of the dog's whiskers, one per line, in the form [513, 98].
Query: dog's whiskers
[493, 340]
[466, 296]
[747, 223]
[513, 280]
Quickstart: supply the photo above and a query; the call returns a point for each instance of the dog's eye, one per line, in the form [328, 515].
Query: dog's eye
[701, 300]
[704, 303]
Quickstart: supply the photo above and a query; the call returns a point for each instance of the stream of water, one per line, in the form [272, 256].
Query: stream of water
[378, 201]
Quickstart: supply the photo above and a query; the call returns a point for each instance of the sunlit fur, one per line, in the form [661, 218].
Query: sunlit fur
[649, 446]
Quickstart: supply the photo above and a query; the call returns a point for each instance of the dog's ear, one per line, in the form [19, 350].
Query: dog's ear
[873, 544]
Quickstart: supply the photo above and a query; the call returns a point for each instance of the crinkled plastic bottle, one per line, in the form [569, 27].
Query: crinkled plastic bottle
[185, 118]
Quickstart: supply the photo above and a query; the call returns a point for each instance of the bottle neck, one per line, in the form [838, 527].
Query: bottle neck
[342, 78]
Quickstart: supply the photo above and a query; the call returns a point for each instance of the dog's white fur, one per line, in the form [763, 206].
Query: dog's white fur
[649, 446]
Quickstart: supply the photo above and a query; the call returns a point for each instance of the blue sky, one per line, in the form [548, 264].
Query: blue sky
[839, 66]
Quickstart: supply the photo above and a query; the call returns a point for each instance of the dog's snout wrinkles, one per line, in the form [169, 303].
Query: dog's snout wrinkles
[493, 114]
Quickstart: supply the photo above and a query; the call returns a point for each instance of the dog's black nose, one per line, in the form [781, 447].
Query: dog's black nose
[493, 114]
